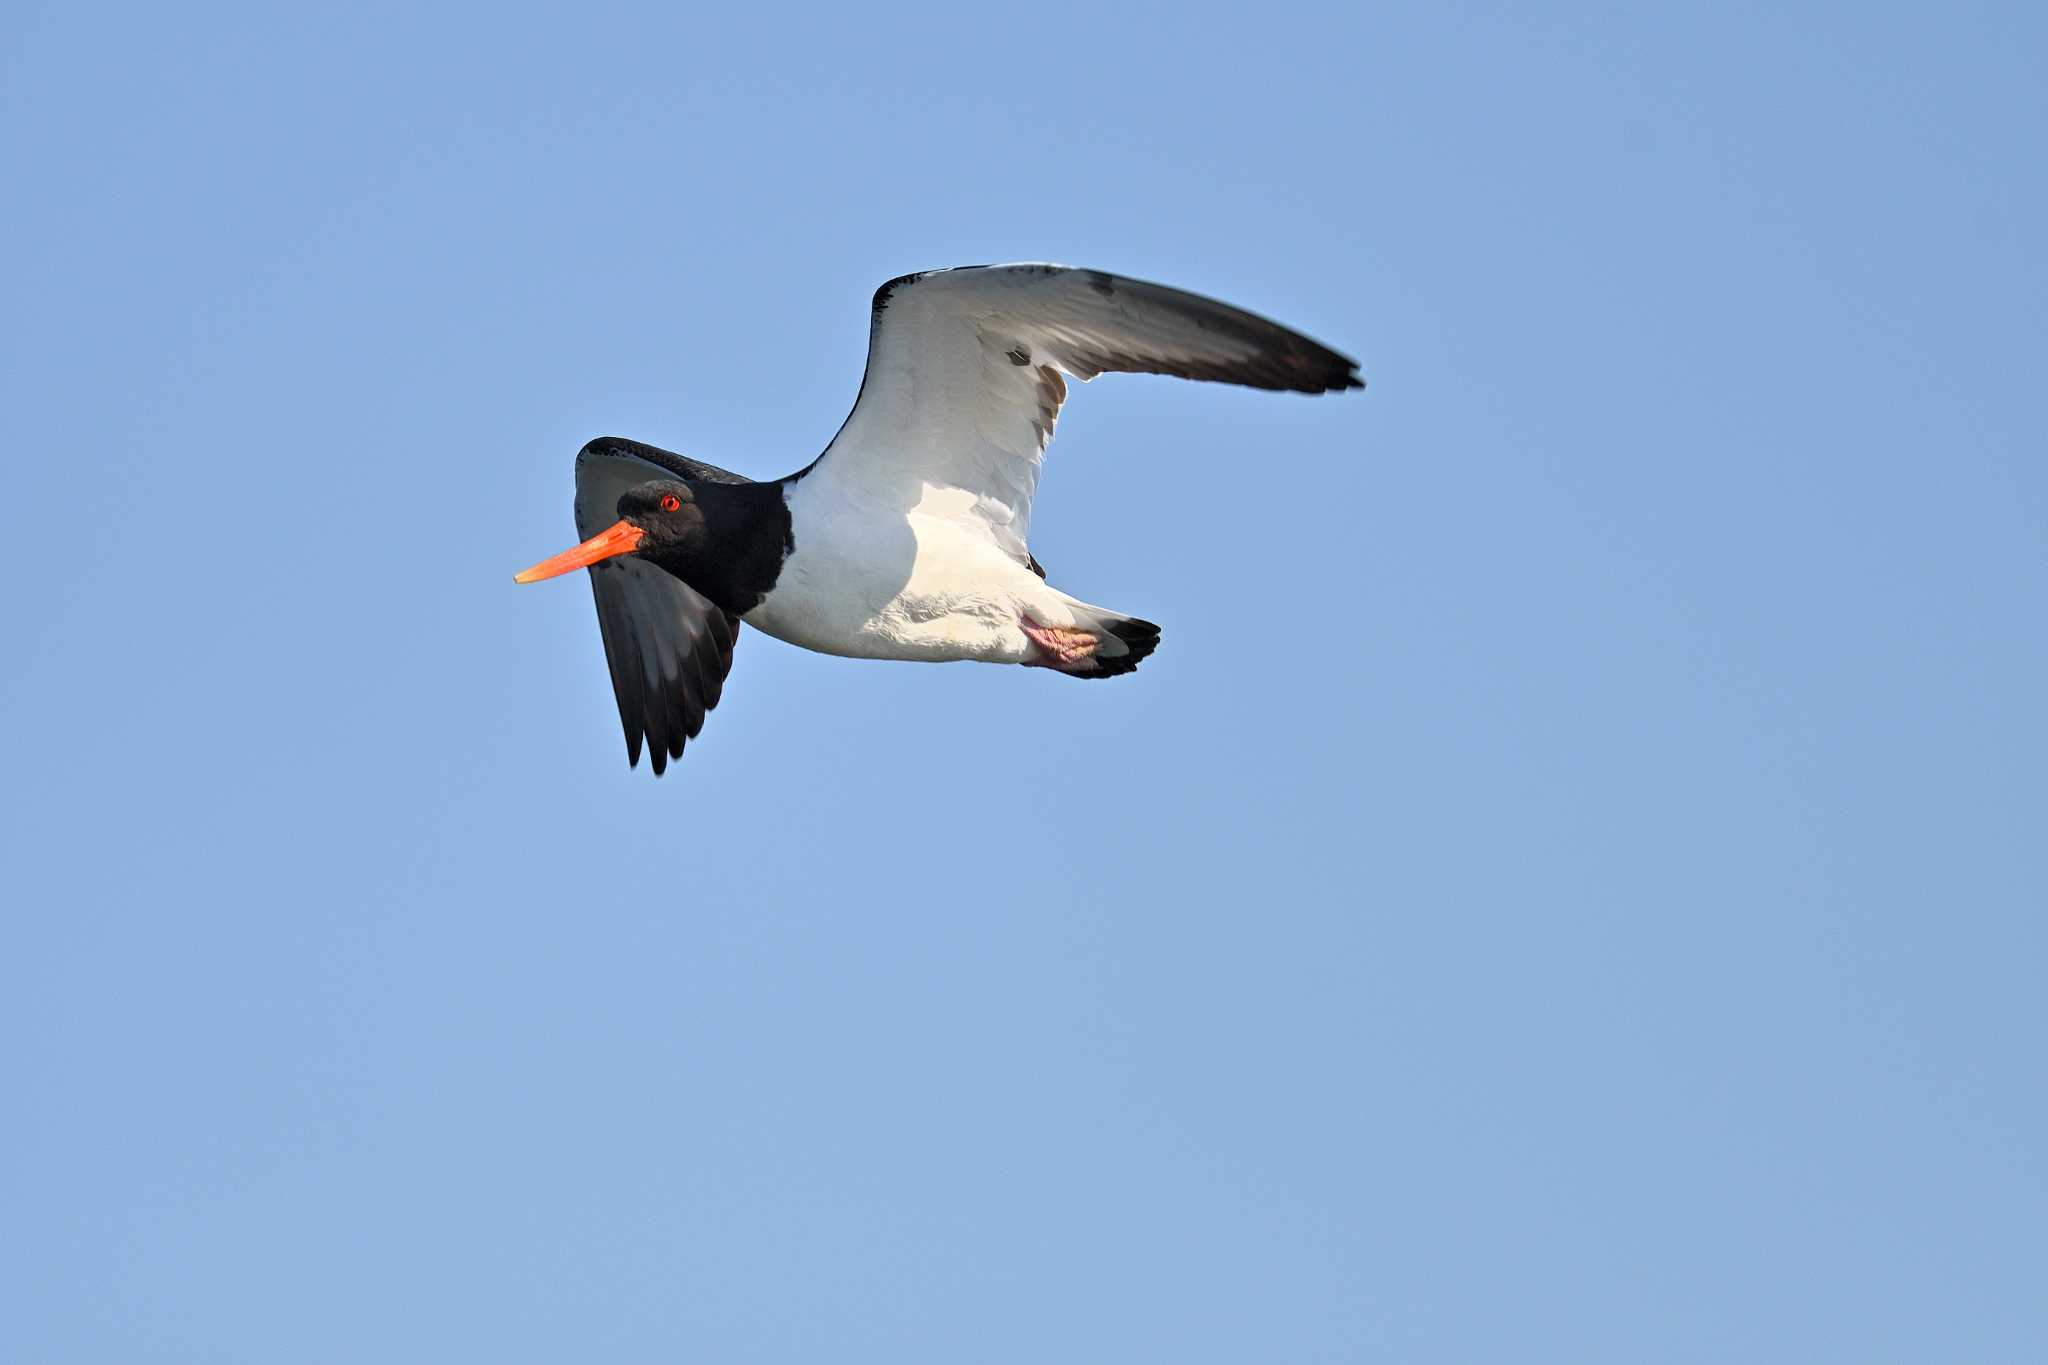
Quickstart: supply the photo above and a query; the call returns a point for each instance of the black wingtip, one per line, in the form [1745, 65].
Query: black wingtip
[1341, 376]
[1330, 381]
[1328, 371]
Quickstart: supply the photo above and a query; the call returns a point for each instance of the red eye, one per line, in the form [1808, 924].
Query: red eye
[671, 503]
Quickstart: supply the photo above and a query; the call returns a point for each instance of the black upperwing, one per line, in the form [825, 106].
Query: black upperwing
[668, 648]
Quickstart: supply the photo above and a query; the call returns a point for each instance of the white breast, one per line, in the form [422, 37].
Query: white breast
[871, 580]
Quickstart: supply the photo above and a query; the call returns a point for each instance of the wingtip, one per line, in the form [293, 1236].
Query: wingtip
[1343, 374]
[1339, 382]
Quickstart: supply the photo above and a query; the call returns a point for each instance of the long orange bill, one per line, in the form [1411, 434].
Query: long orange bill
[620, 538]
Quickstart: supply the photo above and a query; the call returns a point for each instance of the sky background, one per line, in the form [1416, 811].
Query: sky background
[1570, 886]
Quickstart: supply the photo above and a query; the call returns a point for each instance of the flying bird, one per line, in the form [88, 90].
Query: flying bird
[909, 537]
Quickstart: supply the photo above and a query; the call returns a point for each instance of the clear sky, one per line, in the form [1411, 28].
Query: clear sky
[1569, 887]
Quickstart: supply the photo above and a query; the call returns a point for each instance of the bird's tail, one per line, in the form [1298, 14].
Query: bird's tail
[1120, 643]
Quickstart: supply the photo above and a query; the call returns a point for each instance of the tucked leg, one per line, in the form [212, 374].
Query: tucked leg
[1059, 647]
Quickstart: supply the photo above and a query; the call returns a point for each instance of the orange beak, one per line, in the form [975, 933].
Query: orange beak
[620, 538]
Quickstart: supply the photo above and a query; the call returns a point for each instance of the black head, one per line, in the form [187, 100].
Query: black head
[727, 541]
[659, 521]
[668, 516]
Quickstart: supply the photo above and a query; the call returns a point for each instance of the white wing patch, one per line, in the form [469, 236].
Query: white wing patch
[966, 368]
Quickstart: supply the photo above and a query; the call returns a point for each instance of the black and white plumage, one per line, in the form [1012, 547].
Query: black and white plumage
[908, 538]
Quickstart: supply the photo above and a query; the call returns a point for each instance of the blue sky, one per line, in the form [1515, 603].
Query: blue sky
[1569, 886]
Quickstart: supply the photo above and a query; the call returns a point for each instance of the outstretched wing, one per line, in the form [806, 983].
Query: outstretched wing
[966, 371]
[669, 649]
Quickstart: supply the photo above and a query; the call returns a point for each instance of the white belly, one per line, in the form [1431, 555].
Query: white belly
[876, 583]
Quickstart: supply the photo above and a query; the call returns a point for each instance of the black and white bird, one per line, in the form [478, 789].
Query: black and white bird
[909, 537]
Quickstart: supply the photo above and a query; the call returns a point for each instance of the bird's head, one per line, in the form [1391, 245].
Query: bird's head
[658, 520]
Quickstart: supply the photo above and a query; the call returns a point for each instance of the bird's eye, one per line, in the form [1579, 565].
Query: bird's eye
[671, 503]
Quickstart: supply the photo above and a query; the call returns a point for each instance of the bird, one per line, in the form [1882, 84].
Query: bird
[908, 537]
